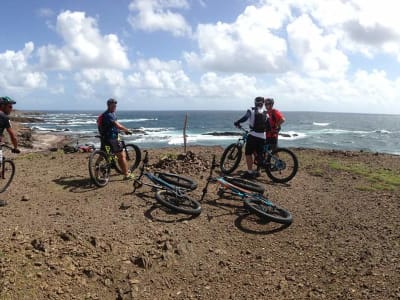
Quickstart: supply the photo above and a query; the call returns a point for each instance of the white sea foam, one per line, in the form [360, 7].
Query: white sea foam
[321, 124]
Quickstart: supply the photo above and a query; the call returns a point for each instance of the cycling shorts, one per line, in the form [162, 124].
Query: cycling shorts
[254, 144]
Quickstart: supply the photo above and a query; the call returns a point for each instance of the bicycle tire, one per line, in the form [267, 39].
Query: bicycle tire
[178, 180]
[183, 203]
[99, 168]
[268, 211]
[7, 174]
[133, 156]
[230, 158]
[284, 168]
[246, 184]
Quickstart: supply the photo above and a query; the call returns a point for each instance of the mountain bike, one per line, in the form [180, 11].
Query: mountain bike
[101, 161]
[7, 169]
[251, 194]
[170, 189]
[281, 165]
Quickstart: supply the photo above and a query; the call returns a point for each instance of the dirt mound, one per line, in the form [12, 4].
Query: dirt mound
[188, 163]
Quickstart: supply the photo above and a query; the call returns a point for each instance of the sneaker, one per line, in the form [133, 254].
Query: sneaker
[257, 174]
[130, 176]
[3, 203]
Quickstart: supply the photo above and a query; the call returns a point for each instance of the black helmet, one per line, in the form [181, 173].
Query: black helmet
[6, 100]
[258, 101]
[111, 100]
[269, 101]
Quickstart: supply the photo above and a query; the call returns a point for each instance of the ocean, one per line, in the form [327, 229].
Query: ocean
[341, 131]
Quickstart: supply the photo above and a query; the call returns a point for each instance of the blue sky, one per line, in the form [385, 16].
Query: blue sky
[310, 55]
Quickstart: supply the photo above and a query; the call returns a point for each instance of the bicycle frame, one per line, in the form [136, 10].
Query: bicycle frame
[158, 183]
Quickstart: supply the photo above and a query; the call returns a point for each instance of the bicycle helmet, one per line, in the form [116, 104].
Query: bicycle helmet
[258, 101]
[269, 101]
[111, 100]
[6, 100]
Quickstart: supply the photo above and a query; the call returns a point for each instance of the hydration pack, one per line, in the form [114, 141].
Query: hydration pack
[100, 125]
[260, 121]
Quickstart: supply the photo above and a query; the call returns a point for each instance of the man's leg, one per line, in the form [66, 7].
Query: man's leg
[122, 162]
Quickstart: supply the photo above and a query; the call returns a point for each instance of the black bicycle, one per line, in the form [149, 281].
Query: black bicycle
[101, 161]
[252, 195]
[281, 165]
[7, 168]
[171, 189]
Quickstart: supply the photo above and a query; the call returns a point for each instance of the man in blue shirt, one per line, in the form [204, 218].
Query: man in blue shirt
[109, 128]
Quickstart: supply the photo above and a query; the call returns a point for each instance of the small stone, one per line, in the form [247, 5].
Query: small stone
[25, 198]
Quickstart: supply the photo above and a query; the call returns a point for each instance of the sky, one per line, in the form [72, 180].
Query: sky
[309, 55]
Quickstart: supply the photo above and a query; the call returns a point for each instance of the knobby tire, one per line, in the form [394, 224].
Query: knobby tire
[282, 166]
[99, 168]
[230, 158]
[7, 174]
[178, 180]
[246, 184]
[183, 204]
[269, 211]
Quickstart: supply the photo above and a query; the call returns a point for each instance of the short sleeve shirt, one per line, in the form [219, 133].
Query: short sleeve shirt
[4, 123]
[110, 130]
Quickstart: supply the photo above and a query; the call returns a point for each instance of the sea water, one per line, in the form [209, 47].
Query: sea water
[342, 131]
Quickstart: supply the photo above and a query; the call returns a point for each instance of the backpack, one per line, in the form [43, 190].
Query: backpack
[260, 121]
[100, 125]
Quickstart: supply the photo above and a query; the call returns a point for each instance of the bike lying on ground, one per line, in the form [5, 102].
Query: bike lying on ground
[170, 189]
[101, 161]
[281, 165]
[252, 196]
[7, 168]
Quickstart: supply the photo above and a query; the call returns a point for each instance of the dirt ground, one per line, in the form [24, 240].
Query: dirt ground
[64, 238]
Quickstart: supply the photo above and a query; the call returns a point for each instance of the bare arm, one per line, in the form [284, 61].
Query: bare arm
[13, 137]
[121, 127]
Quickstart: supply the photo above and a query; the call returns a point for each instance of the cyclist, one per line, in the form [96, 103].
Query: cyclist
[257, 117]
[6, 106]
[109, 128]
[275, 120]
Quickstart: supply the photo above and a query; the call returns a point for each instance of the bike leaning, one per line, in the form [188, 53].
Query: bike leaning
[281, 165]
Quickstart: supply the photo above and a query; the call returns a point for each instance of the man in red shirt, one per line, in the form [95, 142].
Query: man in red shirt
[275, 120]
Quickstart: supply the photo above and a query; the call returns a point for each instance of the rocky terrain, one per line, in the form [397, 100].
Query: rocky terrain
[64, 238]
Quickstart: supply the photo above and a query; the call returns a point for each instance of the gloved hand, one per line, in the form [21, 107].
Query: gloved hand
[16, 150]
[128, 132]
[236, 124]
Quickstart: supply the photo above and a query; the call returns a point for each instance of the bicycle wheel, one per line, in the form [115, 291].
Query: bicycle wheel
[246, 184]
[282, 165]
[99, 168]
[133, 156]
[265, 209]
[183, 203]
[230, 159]
[7, 174]
[178, 180]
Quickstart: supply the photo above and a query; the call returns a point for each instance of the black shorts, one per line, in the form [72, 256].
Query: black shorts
[254, 144]
[272, 143]
[116, 146]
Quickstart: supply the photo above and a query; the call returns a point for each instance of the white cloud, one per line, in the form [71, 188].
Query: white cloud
[16, 75]
[156, 15]
[315, 51]
[84, 47]
[161, 78]
[248, 45]
[99, 82]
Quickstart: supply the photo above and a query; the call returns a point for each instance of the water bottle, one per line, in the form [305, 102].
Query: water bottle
[1, 156]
